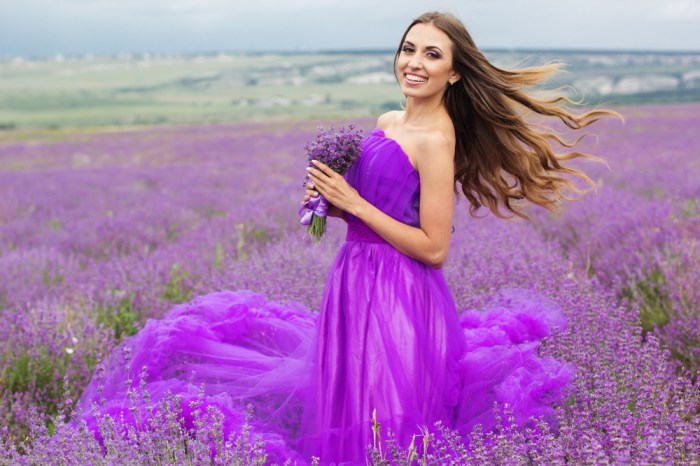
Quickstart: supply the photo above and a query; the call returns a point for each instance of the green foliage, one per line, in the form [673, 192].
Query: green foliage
[249, 238]
[177, 290]
[218, 256]
[27, 372]
[51, 279]
[691, 208]
[654, 306]
[37, 375]
[121, 316]
[55, 224]
[172, 231]
[211, 212]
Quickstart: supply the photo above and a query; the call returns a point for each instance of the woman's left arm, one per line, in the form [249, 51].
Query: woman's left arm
[428, 243]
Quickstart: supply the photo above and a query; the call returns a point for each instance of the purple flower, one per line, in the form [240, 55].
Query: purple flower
[338, 150]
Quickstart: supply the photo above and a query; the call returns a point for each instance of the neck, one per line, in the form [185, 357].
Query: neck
[423, 112]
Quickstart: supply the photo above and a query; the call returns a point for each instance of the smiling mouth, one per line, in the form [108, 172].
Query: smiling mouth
[415, 78]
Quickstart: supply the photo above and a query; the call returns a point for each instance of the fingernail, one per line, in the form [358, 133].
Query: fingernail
[314, 162]
[308, 169]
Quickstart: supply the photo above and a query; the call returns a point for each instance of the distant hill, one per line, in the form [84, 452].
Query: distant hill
[143, 89]
[621, 77]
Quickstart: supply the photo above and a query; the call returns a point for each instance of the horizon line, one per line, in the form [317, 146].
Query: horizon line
[334, 51]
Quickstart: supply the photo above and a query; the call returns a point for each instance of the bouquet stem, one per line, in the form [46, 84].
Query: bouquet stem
[317, 227]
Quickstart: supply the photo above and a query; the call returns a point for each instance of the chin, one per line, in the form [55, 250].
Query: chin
[419, 93]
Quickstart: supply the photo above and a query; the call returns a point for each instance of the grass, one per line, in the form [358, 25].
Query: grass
[88, 93]
[138, 91]
[654, 306]
[177, 290]
[121, 316]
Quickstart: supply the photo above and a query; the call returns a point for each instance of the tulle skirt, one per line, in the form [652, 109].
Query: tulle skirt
[388, 340]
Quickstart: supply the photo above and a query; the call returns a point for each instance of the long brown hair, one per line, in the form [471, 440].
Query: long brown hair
[499, 156]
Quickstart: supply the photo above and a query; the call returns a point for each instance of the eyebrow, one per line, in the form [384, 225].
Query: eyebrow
[430, 47]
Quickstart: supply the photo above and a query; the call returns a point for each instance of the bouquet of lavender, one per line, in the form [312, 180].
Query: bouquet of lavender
[338, 150]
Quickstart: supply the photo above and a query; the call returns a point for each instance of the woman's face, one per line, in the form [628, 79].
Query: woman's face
[425, 62]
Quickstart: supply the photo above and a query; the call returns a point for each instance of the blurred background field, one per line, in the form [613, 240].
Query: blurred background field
[86, 91]
[102, 230]
[131, 182]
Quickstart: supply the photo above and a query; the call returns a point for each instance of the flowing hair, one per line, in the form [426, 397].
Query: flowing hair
[499, 157]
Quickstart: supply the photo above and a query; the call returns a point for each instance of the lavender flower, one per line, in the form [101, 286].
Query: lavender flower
[99, 232]
[338, 150]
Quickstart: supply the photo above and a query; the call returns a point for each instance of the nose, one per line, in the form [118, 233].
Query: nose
[415, 61]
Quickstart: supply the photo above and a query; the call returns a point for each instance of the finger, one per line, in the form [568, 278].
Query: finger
[315, 172]
[317, 178]
[311, 192]
[325, 169]
[322, 183]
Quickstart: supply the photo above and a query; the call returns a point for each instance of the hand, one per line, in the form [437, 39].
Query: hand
[310, 192]
[333, 187]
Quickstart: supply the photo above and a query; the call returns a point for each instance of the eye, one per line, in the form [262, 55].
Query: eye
[433, 54]
[407, 49]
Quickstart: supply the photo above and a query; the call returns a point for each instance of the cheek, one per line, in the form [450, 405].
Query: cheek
[440, 70]
[401, 62]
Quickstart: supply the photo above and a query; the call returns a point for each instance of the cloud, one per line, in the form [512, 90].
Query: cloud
[684, 10]
[106, 26]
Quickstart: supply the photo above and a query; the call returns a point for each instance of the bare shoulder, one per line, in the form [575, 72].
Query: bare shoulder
[387, 119]
[436, 145]
[437, 140]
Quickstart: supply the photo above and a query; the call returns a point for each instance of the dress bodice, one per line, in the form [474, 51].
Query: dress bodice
[385, 177]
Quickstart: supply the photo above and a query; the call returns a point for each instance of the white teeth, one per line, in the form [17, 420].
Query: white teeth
[413, 77]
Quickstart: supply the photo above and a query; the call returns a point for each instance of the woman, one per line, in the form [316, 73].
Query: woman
[388, 338]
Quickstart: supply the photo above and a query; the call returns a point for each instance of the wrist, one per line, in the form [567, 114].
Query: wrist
[359, 210]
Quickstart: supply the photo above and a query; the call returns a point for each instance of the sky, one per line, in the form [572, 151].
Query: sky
[49, 27]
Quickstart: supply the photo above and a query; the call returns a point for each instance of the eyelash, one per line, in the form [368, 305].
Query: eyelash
[408, 49]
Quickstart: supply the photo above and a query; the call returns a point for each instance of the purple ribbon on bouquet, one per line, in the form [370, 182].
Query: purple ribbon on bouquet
[317, 206]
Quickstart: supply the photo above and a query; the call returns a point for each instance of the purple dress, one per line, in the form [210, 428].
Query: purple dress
[388, 338]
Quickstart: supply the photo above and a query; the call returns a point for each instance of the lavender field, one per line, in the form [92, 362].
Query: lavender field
[101, 231]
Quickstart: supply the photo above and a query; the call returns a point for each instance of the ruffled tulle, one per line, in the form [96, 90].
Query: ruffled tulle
[246, 349]
[501, 362]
